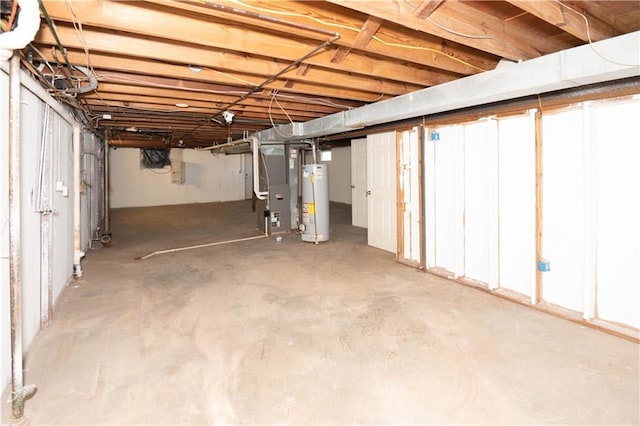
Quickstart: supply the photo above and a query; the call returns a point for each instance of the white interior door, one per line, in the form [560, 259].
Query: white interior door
[359, 183]
[381, 202]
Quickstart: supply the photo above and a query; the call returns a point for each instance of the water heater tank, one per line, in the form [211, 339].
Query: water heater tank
[315, 203]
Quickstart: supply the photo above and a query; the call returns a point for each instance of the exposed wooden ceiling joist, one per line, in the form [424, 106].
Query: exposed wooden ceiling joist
[462, 24]
[568, 18]
[214, 55]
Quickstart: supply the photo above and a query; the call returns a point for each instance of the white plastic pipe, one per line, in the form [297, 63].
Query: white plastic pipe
[262, 195]
[77, 251]
[173, 250]
[26, 29]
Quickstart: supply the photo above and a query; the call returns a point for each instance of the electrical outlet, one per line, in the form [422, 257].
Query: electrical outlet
[544, 265]
[65, 191]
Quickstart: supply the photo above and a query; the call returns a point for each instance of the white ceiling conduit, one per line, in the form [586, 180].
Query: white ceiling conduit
[25, 31]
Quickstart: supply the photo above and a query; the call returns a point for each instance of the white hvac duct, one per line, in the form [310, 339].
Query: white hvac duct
[25, 32]
[262, 195]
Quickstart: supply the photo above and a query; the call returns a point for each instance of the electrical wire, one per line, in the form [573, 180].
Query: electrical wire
[274, 98]
[35, 49]
[77, 25]
[123, 79]
[317, 101]
[357, 30]
[587, 26]
[231, 76]
[449, 30]
[273, 124]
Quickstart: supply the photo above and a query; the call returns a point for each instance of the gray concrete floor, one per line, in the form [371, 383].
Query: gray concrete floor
[297, 333]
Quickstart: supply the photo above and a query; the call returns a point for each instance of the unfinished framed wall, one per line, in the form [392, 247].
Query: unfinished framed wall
[46, 209]
[483, 211]
[410, 207]
[590, 210]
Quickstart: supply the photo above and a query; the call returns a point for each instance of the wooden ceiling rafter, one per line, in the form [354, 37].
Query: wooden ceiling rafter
[199, 34]
[404, 44]
[253, 57]
[460, 23]
[568, 18]
[219, 100]
[368, 30]
[426, 8]
[227, 62]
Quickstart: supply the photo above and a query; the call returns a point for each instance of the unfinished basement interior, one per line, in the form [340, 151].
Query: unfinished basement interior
[319, 212]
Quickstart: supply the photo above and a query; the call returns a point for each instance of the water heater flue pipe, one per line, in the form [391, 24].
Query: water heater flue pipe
[25, 32]
[261, 195]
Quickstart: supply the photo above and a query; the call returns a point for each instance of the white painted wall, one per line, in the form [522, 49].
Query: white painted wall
[340, 175]
[208, 178]
[32, 106]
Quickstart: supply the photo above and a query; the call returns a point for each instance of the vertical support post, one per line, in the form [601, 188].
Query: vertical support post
[536, 297]
[493, 189]
[400, 195]
[422, 264]
[430, 197]
[106, 184]
[105, 238]
[19, 392]
[459, 195]
[77, 251]
[45, 209]
[590, 214]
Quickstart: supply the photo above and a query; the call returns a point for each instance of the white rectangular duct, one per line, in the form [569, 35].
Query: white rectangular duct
[562, 70]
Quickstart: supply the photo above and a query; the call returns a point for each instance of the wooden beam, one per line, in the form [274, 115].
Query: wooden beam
[219, 100]
[568, 18]
[322, 15]
[168, 82]
[211, 37]
[426, 8]
[169, 52]
[368, 30]
[207, 79]
[494, 35]
[194, 103]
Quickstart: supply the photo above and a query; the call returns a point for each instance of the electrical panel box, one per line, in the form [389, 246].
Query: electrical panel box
[177, 172]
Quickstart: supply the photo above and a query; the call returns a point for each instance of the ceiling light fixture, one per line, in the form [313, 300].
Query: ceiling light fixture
[195, 68]
[182, 105]
[228, 116]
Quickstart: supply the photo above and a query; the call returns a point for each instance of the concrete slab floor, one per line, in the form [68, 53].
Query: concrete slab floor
[296, 333]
